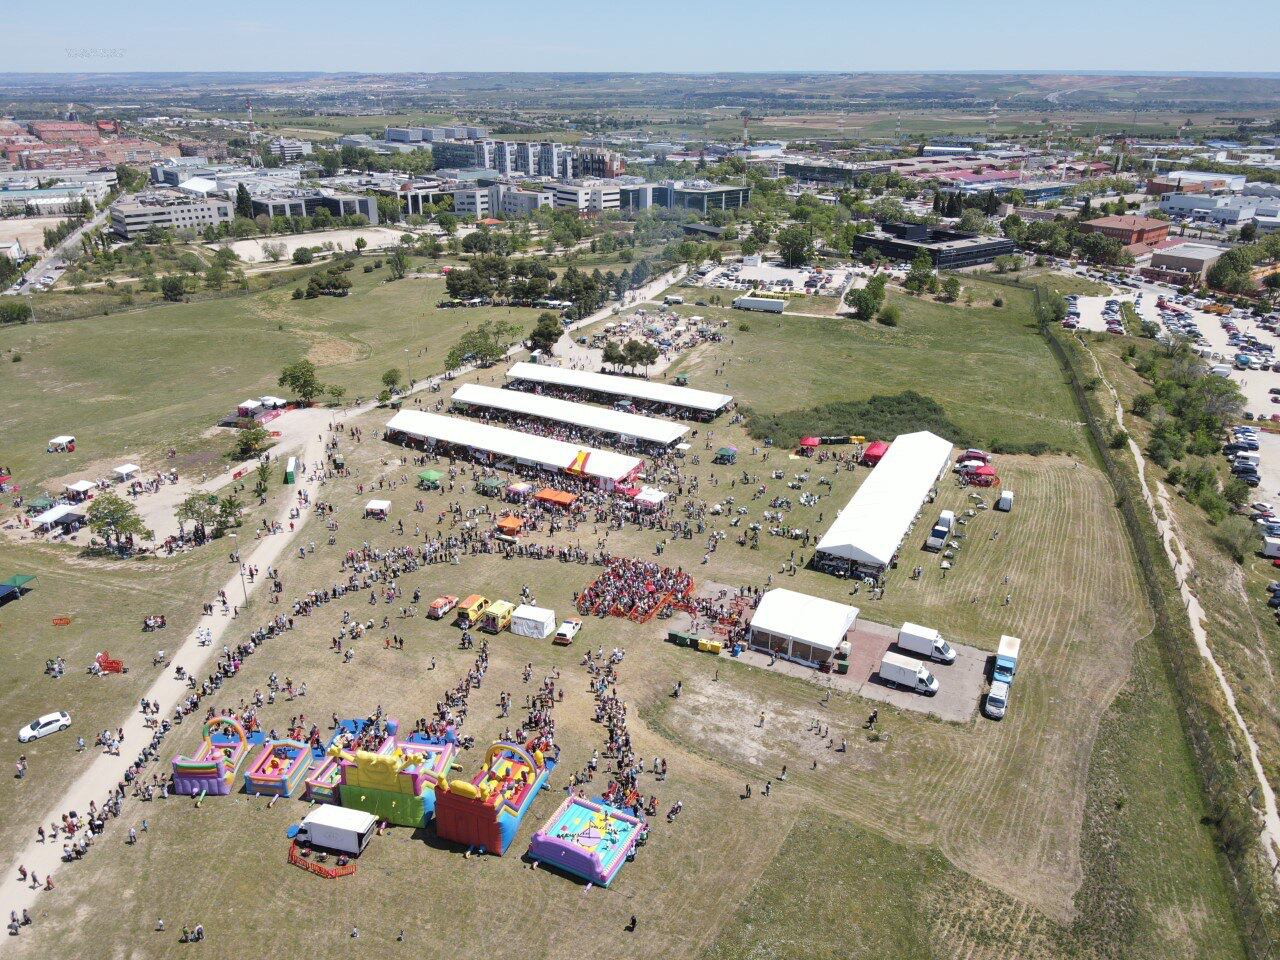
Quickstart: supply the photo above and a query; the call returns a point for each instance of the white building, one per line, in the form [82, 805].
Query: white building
[798, 627]
[1222, 210]
[289, 149]
[588, 196]
[167, 210]
[869, 531]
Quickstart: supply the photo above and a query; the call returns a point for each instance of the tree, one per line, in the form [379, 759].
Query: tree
[361, 243]
[795, 245]
[173, 288]
[300, 377]
[116, 520]
[244, 203]
[230, 508]
[613, 355]
[252, 440]
[14, 310]
[274, 251]
[920, 274]
[485, 345]
[263, 474]
[974, 220]
[864, 303]
[391, 379]
[397, 265]
[951, 288]
[303, 256]
[200, 509]
[390, 209]
[546, 332]
[448, 222]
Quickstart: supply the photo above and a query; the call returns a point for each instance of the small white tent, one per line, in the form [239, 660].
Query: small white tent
[536, 622]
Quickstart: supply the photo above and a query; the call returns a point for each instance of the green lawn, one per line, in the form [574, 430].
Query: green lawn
[136, 382]
[986, 365]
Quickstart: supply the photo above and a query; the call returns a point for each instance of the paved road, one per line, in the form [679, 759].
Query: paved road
[54, 259]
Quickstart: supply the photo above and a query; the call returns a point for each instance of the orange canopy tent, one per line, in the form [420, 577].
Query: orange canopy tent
[557, 497]
[511, 525]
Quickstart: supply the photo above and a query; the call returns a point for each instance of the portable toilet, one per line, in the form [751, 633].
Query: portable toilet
[291, 470]
[1005, 502]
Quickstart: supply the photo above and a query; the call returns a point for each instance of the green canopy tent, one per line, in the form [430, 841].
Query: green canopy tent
[726, 455]
[430, 479]
[489, 486]
[15, 587]
[39, 505]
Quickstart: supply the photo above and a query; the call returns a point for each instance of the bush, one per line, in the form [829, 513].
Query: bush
[303, 255]
[880, 416]
[744, 327]
[890, 316]
[16, 358]
[14, 310]
[998, 302]
[298, 293]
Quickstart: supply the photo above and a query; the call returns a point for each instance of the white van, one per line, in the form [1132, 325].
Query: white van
[997, 700]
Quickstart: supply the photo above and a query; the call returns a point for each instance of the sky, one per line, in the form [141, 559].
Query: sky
[654, 36]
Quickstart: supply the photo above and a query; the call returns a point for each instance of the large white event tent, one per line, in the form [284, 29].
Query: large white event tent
[870, 529]
[604, 466]
[799, 627]
[702, 401]
[627, 426]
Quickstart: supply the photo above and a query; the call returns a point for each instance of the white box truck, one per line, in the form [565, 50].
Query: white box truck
[925, 641]
[1005, 502]
[899, 671]
[337, 828]
[1271, 547]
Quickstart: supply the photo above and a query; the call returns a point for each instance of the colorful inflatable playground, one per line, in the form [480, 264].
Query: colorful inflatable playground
[486, 811]
[588, 839]
[279, 770]
[213, 769]
[398, 782]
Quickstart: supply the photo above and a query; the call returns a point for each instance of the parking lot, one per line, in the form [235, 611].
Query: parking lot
[960, 684]
[773, 277]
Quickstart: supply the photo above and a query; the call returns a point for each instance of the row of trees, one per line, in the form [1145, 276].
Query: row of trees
[1233, 272]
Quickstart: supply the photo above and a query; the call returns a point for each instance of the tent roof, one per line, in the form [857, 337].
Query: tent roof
[873, 524]
[19, 580]
[378, 506]
[621, 386]
[490, 483]
[651, 495]
[543, 451]
[7, 591]
[560, 497]
[540, 614]
[127, 468]
[61, 440]
[566, 411]
[798, 616]
[876, 448]
[41, 503]
[82, 486]
[59, 512]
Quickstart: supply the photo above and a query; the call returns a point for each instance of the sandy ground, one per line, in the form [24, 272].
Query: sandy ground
[250, 251]
[29, 231]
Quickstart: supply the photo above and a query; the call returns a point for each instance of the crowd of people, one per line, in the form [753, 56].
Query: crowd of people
[634, 588]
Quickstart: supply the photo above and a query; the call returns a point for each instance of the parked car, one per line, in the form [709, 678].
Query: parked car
[567, 631]
[43, 726]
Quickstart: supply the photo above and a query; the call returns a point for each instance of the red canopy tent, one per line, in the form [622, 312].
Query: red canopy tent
[875, 452]
[810, 442]
[559, 498]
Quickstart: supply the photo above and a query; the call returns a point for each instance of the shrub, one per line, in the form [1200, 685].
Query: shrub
[298, 293]
[744, 327]
[998, 302]
[890, 316]
[880, 416]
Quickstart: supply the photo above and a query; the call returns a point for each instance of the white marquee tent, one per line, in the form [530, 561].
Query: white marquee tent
[871, 527]
[701, 400]
[625, 425]
[800, 627]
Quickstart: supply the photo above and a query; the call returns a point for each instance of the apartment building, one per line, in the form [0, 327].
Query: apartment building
[167, 210]
[290, 150]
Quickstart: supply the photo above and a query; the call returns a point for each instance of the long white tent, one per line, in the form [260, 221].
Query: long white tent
[604, 466]
[627, 426]
[871, 527]
[702, 401]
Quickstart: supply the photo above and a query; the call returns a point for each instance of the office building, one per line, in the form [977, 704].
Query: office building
[1225, 211]
[1129, 229]
[1183, 263]
[167, 210]
[587, 196]
[290, 150]
[307, 201]
[948, 249]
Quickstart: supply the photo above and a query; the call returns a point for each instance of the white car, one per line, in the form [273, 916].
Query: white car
[42, 727]
[997, 700]
[568, 630]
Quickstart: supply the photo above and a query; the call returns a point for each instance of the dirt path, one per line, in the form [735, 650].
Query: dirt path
[1180, 559]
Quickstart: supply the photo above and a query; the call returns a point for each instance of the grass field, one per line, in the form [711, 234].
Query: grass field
[133, 383]
[1006, 388]
[1072, 829]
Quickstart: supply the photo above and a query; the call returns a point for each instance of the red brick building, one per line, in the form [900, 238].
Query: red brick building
[1129, 229]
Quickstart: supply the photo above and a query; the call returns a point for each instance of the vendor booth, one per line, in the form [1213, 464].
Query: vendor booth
[378, 509]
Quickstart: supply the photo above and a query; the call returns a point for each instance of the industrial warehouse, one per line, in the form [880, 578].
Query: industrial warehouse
[493, 445]
[868, 532]
[679, 401]
[624, 428]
